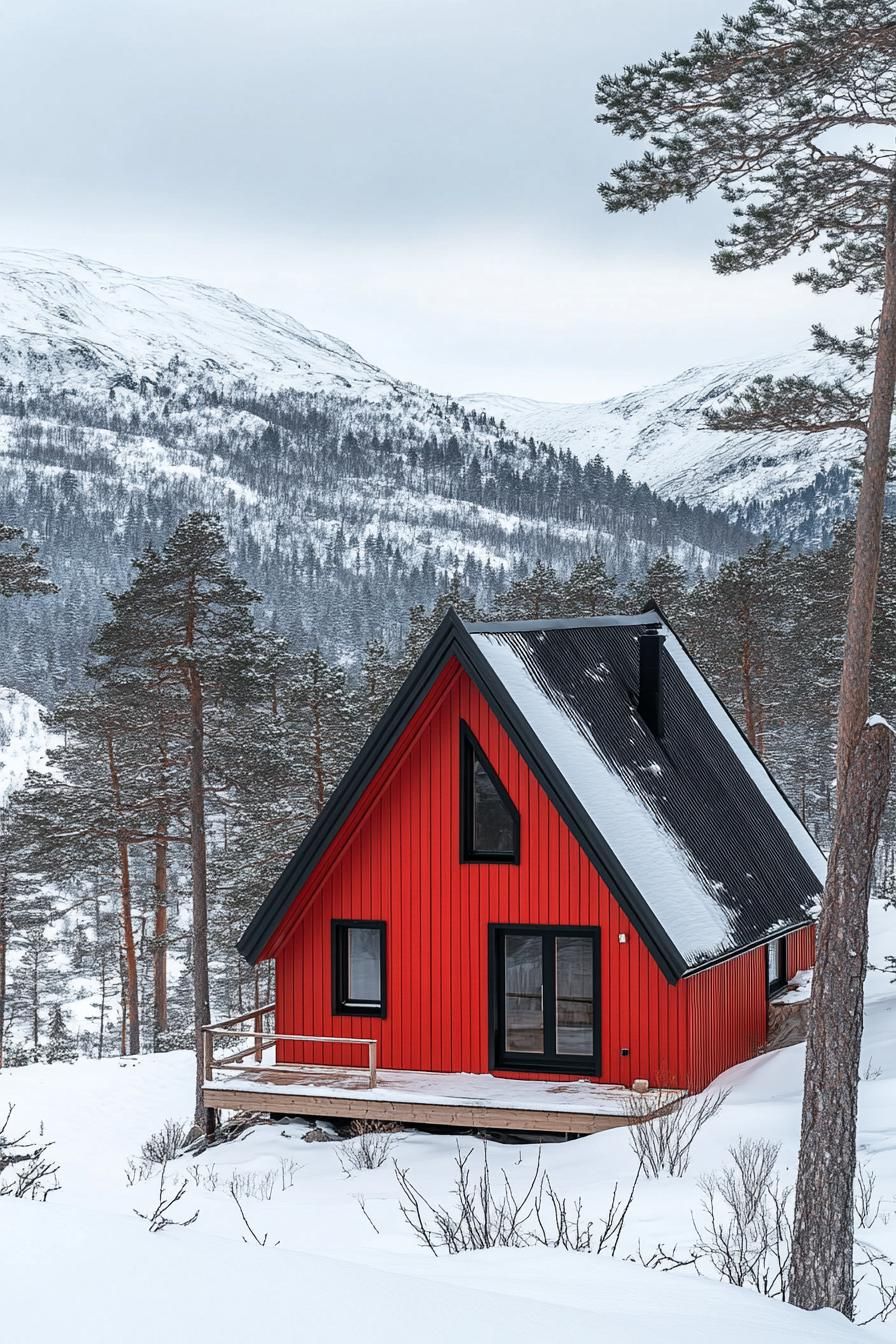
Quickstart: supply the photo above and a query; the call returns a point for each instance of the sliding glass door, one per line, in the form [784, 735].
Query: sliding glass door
[545, 998]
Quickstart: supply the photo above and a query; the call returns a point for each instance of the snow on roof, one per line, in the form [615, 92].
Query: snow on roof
[677, 893]
[693, 818]
[815, 860]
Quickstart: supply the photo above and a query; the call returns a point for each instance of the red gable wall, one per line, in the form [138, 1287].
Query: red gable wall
[397, 859]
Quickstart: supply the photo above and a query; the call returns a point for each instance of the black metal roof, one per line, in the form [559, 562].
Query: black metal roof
[701, 784]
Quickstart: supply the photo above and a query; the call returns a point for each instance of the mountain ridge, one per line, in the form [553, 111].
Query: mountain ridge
[58, 303]
[657, 435]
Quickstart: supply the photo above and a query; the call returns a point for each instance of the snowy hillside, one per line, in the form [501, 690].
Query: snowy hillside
[23, 739]
[347, 496]
[338, 1249]
[76, 324]
[657, 434]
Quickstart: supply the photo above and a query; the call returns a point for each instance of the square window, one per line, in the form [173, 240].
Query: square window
[359, 967]
[545, 995]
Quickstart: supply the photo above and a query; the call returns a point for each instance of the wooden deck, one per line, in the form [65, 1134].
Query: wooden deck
[400, 1096]
[453, 1100]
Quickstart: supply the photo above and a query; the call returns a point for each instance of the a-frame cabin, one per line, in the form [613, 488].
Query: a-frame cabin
[557, 858]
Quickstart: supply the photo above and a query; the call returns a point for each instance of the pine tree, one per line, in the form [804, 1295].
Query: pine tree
[745, 618]
[759, 110]
[186, 623]
[21, 574]
[61, 1044]
[379, 680]
[590, 590]
[666, 584]
[90, 809]
[320, 711]
[538, 596]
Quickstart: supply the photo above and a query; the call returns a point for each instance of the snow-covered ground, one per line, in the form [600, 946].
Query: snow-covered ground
[23, 739]
[84, 1267]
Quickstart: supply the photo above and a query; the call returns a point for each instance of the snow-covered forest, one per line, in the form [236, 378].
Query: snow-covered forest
[343, 512]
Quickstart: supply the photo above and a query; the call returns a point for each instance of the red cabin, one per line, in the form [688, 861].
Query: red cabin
[556, 858]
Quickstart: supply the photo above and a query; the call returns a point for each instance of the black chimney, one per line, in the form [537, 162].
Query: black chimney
[650, 678]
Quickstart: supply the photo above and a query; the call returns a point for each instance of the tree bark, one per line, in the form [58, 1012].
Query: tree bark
[132, 995]
[746, 673]
[822, 1264]
[160, 937]
[132, 992]
[4, 944]
[199, 873]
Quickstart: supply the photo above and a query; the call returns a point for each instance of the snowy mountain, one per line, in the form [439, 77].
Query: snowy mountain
[347, 495]
[657, 436]
[78, 324]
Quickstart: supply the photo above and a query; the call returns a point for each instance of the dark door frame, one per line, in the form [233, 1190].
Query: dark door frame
[501, 1059]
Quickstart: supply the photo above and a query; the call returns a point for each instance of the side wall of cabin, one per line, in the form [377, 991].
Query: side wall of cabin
[398, 860]
[738, 989]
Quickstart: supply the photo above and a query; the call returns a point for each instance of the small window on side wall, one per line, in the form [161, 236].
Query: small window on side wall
[489, 823]
[776, 965]
[359, 967]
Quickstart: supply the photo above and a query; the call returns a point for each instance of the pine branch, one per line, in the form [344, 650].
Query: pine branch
[799, 404]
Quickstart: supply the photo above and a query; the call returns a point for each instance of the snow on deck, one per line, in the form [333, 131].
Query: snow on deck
[444, 1089]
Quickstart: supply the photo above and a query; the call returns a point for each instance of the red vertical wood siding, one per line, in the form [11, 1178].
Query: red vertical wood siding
[397, 858]
[800, 950]
[727, 1016]
[728, 1008]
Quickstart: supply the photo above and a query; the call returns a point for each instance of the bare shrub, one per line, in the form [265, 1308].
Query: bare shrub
[662, 1141]
[259, 1240]
[865, 1204]
[166, 1144]
[25, 1170]
[253, 1184]
[205, 1177]
[158, 1219]
[875, 1269]
[369, 1145]
[744, 1230]
[288, 1169]
[488, 1212]
[135, 1171]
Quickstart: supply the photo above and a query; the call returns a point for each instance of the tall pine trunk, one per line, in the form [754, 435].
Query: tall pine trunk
[201, 998]
[4, 944]
[822, 1264]
[160, 936]
[132, 991]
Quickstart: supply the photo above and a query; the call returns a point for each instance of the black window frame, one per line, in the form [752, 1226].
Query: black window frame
[774, 987]
[342, 1005]
[470, 751]
[516, 1062]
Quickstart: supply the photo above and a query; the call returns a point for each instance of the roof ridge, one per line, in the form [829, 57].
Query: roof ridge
[563, 623]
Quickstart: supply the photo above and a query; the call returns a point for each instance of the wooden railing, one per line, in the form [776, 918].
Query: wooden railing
[262, 1040]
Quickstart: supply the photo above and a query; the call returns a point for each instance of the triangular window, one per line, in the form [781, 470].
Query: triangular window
[490, 824]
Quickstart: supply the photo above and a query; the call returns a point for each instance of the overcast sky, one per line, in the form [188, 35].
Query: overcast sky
[417, 177]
